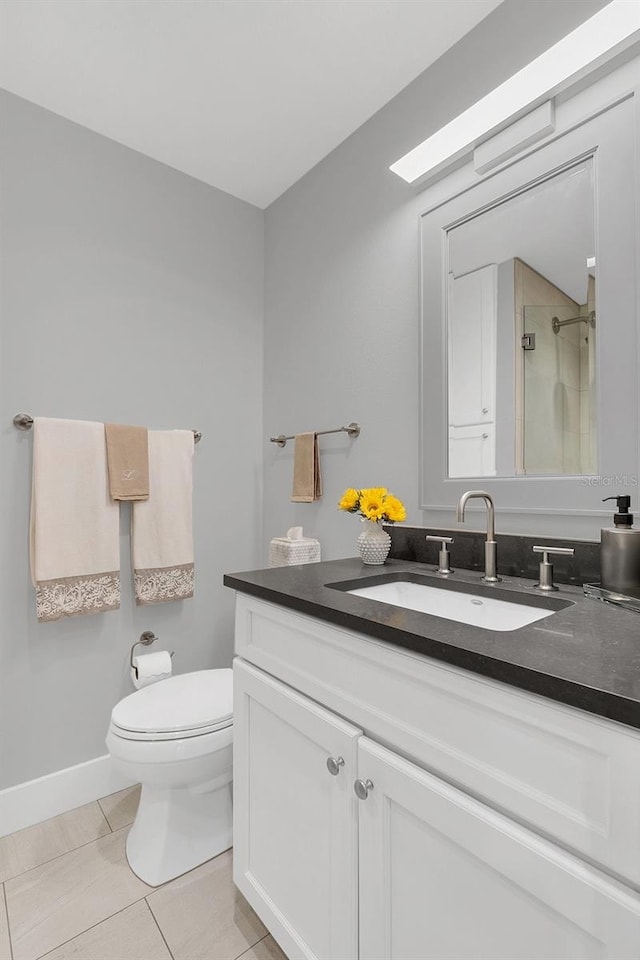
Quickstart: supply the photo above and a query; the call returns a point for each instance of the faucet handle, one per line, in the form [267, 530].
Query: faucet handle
[566, 551]
[546, 568]
[443, 554]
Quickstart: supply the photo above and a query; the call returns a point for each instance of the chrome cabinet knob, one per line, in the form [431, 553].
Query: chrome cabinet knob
[334, 764]
[362, 788]
[485, 409]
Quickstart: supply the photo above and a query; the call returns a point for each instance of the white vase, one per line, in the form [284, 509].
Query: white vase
[374, 543]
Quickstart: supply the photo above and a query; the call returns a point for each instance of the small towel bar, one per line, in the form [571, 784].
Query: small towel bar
[23, 421]
[353, 430]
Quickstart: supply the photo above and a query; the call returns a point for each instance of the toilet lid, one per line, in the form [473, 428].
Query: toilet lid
[185, 705]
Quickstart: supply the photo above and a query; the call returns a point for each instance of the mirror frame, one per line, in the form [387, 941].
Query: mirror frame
[600, 122]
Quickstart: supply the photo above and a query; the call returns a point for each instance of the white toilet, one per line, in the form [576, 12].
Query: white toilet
[175, 737]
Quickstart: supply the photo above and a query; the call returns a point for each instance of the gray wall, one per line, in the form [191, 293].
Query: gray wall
[342, 282]
[132, 293]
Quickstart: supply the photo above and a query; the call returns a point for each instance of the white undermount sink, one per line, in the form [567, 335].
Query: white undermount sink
[463, 607]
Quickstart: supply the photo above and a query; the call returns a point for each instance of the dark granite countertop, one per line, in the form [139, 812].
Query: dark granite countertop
[586, 655]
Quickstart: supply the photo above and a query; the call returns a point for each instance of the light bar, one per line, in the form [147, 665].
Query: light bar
[610, 31]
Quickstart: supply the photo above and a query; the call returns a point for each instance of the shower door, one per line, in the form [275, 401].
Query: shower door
[557, 423]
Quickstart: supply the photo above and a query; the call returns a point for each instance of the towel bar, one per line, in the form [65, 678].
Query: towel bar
[23, 421]
[353, 430]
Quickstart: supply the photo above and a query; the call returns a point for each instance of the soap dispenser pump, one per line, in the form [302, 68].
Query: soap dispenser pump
[620, 551]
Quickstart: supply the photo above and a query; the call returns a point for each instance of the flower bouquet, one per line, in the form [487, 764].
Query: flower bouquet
[375, 505]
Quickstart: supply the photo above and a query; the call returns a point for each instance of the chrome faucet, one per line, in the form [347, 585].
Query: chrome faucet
[490, 547]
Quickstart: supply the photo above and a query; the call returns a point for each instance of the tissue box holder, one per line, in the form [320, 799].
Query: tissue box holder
[286, 553]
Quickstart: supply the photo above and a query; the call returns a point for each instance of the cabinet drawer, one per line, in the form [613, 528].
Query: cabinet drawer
[571, 776]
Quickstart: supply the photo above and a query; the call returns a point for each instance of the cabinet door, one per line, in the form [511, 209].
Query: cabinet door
[442, 877]
[472, 451]
[471, 327]
[295, 824]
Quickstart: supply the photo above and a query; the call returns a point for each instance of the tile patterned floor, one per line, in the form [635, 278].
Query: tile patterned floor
[67, 893]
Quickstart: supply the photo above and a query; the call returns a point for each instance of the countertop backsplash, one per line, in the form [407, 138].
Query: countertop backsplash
[515, 554]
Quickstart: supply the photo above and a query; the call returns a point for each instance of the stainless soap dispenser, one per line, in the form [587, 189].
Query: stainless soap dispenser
[620, 551]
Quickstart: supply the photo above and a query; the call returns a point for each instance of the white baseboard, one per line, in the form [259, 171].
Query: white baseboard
[35, 800]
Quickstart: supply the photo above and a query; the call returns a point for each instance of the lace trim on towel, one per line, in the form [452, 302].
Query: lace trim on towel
[160, 584]
[76, 596]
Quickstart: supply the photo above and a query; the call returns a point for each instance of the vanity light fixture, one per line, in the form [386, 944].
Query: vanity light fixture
[610, 31]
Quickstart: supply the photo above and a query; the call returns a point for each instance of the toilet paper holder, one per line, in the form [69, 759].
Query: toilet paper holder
[146, 637]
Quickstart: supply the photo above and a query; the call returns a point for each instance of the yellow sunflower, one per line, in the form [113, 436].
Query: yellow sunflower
[349, 500]
[372, 502]
[394, 509]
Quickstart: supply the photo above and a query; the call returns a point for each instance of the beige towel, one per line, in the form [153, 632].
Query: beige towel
[162, 526]
[307, 482]
[74, 526]
[128, 460]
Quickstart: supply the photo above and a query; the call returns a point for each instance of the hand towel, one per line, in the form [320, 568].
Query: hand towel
[162, 526]
[307, 482]
[74, 525]
[128, 461]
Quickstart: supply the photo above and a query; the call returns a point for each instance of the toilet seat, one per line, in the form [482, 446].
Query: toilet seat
[185, 706]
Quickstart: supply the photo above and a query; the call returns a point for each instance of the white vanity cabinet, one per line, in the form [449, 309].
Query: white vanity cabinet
[491, 856]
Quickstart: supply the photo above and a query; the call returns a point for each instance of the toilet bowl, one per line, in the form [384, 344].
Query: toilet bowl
[175, 737]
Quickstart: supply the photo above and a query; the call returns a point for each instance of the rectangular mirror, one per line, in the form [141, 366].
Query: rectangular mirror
[530, 362]
[521, 333]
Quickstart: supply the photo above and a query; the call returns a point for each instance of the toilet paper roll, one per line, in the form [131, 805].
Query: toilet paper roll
[151, 667]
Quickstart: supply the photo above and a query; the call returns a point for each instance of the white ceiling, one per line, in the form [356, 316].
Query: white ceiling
[246, 95]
